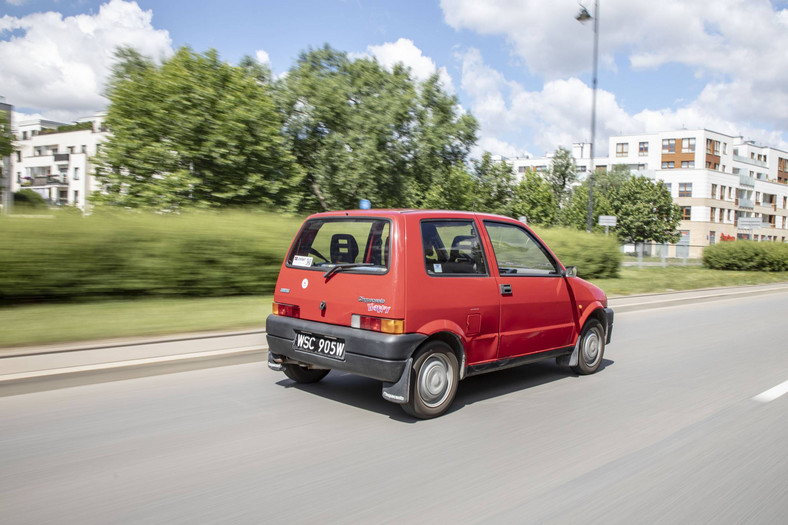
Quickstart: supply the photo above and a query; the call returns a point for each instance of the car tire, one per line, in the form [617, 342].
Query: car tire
[302, 374]
[434, 378]
[591, 348]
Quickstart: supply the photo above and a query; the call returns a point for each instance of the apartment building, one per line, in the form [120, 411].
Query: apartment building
[716, 179]
[53, 159]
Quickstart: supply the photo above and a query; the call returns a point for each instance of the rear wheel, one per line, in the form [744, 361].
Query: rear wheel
[302, 374]
[434, 379]
[591, 348]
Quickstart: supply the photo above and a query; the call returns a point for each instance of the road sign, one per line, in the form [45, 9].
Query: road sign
[750, 223]
[607, 220]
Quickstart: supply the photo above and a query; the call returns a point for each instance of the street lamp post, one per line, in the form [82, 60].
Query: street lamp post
[583, 16]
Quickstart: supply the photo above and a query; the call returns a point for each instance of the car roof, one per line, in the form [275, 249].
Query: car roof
[425, 214]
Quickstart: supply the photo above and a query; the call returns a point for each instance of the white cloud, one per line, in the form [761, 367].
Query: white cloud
[735, 47]
[16, 2]
[59, 65]
[405, 51]
[262, 57]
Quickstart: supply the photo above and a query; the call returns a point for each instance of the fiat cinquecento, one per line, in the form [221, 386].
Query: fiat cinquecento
[420, 300]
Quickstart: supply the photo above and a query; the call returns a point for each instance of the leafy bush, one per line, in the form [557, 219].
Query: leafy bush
[68, 257]
[747, 255]
[595, 255]
[28, 199]
[111, 255]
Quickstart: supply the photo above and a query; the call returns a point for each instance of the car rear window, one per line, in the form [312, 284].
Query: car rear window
[328, 242]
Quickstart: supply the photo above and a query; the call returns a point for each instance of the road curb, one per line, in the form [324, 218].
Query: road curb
[632, 303]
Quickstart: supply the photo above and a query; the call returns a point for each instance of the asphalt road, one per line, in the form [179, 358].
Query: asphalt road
[668, 432]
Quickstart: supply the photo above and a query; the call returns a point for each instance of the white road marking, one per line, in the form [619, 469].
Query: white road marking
[772, 393]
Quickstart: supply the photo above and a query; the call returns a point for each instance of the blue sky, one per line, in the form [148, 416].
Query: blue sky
[522, 67]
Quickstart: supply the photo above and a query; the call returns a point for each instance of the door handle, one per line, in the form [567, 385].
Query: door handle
[506, 289]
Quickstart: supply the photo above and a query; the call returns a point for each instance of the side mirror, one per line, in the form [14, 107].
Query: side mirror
[571, 271]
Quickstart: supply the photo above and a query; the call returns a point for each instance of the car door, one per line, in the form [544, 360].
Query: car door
[536, 309]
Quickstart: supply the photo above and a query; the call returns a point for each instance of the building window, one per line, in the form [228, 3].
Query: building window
[688, 145]
[722, 215]
[712, 237]
[76, 173]
[668, 165]
[713, 191]
[643, 149]
[19, 156]
[668, 186]
[685, 189]
[686, 213]
[712, 147]
[687, 164]
[713, 214]
[622, 149]
[76, 197]
[642, 167]
[84, 149]
[24, 135]
[668, 145]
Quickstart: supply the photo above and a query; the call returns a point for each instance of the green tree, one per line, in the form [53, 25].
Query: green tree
[494, 185]
[453, 192]
[606, 183]
[6, 139]
[193, 131]
[360, 131]
[562, 174]
[534, 199]
[645, 211]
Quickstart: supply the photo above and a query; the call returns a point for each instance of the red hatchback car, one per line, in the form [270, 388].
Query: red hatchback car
[423, 299]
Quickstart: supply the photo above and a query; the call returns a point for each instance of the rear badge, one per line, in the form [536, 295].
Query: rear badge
[304, 283]
[284, 290]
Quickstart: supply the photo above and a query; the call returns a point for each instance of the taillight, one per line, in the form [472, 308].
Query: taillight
[287, 310]
[377, 324]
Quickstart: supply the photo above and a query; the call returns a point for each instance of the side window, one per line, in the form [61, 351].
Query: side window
[517, 252]
[452, 248]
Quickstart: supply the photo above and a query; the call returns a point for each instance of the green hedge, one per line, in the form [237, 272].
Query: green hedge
[106, 255]
[747, 255]
[595, 255]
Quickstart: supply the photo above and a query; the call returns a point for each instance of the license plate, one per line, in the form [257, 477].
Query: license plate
[326, 346]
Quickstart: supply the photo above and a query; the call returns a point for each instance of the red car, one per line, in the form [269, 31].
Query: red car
[423, 299]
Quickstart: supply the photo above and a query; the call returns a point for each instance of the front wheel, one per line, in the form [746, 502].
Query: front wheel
[302, 374]
[591, 348]
[434, 379]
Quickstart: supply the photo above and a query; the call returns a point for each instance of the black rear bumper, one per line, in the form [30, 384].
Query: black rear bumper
[370, 354]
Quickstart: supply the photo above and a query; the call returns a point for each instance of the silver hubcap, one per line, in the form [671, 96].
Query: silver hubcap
[592, 347]
[435, 380]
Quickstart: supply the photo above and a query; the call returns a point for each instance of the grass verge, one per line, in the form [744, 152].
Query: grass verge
[655, 279]
[60, 323]
[41, 324]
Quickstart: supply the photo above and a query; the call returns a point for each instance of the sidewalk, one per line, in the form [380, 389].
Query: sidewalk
[27, 363]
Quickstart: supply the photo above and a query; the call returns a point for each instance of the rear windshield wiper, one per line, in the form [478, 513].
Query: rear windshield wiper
[345, 266]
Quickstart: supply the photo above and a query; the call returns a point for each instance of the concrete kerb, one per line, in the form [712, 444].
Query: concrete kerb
[58, 360]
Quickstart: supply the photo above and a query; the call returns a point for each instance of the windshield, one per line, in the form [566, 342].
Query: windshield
[360, 242]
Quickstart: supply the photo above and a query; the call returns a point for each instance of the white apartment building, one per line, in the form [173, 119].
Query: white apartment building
[715, 178]
[55, 163]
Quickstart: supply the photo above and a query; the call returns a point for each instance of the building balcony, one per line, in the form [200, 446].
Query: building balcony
[746, 180]
[745, 203]
[42, 182]
[748, 160]
[61, 157]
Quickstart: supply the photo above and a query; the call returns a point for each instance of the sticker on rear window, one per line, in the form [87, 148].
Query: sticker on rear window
[437, 268]
[300, 260]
